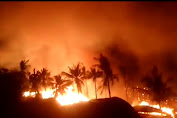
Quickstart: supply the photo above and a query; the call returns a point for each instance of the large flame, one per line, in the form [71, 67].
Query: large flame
[69, 97]
[163, 109]
[48, 93]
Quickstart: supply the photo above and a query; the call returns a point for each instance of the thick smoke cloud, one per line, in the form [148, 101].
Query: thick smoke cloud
[124, 60]
[58, 34]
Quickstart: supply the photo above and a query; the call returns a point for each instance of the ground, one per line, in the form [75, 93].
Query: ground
[101, 108]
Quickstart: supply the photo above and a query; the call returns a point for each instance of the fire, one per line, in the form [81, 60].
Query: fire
[144, 103]
[48, 93]
[26, 94]
[29, 94]
[153, 113]
[164, 109]
[70, 97]
[33, 94]
[168, 110]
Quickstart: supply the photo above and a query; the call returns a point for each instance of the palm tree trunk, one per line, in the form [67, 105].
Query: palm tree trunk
[56, 93]
[95, 90]
[38, 94]
[105, 93]
[86, 88]
[109, 89]
[44, 83]
[78, 91]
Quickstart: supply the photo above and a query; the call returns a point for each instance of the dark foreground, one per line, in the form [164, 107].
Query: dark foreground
[101, 108]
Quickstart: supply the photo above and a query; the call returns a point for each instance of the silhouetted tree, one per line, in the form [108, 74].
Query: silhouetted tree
[45, 77]
[156, 87]
[35, 80]
[75, 73]
[127, 78]
[108, 75]
[127, 64]
[61, 85]
[86, 75]
[24, 65]
[128, 71]
[24, 74]
[95, 73]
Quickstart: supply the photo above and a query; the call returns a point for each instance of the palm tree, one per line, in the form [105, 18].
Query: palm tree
[127, 64]
[86, 75]
[75, 73]
[23, 65]
[126, 85]
[58, 81]
[35, 80]
[156, 86]
[124, 71]
[45, 76]
[95, 74]
[23, 74]
[128, 70]
[108, 75]
[61, 85]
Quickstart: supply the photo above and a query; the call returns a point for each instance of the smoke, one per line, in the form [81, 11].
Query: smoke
[170, 63]
[58, 34]
[125, 61]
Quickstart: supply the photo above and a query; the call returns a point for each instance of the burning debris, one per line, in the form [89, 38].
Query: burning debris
[153, 109]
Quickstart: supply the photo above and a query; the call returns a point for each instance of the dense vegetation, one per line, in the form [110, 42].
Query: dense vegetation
[14, 82]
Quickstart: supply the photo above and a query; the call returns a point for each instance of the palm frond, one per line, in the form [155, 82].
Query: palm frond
[79, 81]
[100, 88]
[67, 74]
[67, 83]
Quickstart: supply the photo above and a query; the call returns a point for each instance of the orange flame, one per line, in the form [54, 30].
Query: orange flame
[164, 109]
[70, 97]
[29, 94]
[48, 93]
